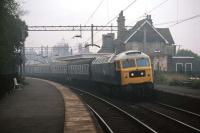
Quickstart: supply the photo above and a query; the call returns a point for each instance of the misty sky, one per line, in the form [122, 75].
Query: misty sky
[76, 12]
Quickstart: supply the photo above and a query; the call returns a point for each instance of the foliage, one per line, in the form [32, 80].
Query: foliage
[176, 79]
[185, 52]
[11, 42]
[195, 84]
[169, 78]
[160, 78]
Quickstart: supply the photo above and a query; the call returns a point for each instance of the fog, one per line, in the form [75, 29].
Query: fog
[76, 12]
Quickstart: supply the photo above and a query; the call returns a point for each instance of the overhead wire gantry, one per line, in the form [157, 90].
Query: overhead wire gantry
[80, 28]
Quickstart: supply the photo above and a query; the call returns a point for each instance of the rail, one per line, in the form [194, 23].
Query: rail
[170, 118]
[149, 129]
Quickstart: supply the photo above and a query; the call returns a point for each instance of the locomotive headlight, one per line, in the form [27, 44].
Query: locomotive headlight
[132, 74]
[142, 73]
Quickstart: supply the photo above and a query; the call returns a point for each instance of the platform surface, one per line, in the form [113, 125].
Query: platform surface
[36, 108]
[41, 107]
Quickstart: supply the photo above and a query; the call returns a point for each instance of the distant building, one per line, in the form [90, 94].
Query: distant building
[83, 49]
[181, 64]
[61, 49]
[108, 43]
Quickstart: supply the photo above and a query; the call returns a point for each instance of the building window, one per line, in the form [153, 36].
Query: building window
[179, 67]
[188, 67]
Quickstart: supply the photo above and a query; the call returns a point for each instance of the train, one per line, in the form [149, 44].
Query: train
[128, 70]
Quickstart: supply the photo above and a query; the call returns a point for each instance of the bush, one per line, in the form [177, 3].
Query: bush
[160, 78]
[195, 84]
[173, 79]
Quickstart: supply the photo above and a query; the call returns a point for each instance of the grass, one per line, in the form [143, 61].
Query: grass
[175, 79]
[195, 84]
[168, 78]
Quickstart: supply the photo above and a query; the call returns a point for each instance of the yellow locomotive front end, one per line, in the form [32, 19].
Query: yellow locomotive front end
[135, 69]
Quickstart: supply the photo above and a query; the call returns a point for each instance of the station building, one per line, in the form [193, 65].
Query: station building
[158, 43]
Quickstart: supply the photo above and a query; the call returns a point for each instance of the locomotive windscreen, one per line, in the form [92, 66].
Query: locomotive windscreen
[142, 62]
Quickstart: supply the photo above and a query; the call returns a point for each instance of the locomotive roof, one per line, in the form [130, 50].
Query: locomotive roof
[104, 59]
[122, 56]
[130, 54]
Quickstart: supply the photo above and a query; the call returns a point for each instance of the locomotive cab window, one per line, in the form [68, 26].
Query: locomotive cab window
[128, 63]
[142, 62]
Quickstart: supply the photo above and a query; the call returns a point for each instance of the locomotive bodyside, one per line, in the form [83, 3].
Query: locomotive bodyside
[104, 71]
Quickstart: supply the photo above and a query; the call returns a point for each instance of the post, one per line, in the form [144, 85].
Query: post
[42, 51]
[47, 51]
[92, 35]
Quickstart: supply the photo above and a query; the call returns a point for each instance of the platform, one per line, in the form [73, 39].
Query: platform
[183, 91]
[44, 107]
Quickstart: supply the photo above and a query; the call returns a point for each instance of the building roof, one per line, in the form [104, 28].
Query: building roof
[136, 34]
[167, 34]
[152, 33]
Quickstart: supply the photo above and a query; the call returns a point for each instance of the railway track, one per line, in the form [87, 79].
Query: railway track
[175, 119]
[113, 118]
[185, 123]
[179, 109]
[184, 117]
[159, 116]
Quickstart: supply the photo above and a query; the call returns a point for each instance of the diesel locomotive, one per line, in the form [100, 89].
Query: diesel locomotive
[128, 70]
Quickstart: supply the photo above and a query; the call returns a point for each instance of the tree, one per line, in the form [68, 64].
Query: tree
[185, 52]
[11, 40]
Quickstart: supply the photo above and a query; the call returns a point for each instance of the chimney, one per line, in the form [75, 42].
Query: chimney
[149, 19]
[121, 25]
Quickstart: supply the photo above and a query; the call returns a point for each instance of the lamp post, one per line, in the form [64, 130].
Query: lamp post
[22, 65]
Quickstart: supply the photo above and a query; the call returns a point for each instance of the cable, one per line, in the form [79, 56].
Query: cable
[157, 6]
[94, 11]
[184, 20]
[129, 5]
[165, 23]
[122, 10]
[175, 22]
[154, 8]
[114, 17]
